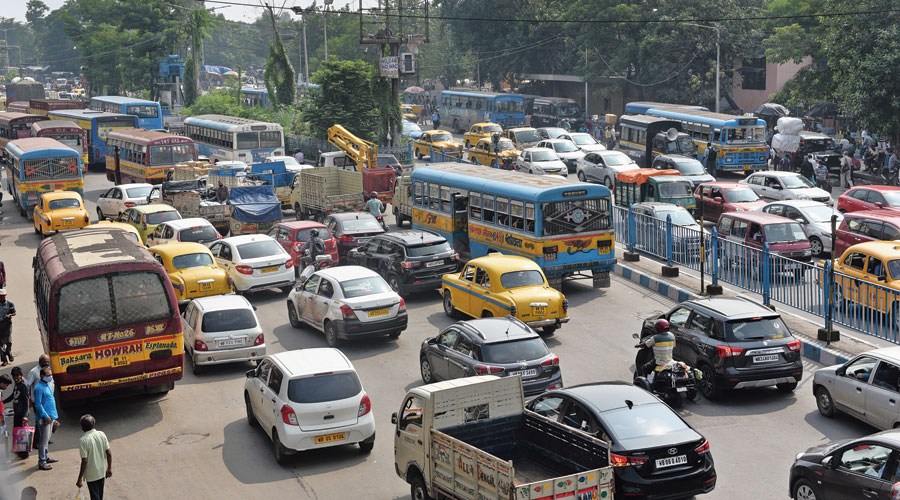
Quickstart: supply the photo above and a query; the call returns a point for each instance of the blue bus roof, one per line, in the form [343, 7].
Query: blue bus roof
[526, 187]
[86, 114]
[641, 107]
[254, 91]
[478, 93]
[706, 117]
[39, 147]
[117, 99]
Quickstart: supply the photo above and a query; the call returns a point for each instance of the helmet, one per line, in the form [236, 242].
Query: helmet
[662, 325]
[314, 233]
[374, 194]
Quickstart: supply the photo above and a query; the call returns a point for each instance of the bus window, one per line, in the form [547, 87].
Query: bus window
[434, 196]
[247, 140]
[418, 197]
[488, 206]
[475, 206]
[445, 199]
[502, 211]
[529, 218]
[517, 215]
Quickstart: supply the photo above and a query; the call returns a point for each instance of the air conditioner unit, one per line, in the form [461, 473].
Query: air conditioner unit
[407, 63]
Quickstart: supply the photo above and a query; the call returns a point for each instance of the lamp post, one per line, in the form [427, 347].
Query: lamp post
[300, 11]
[718, 43]
[325, 24]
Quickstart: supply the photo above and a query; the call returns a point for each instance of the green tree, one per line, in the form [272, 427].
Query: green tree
[344, 97]
[279, 75]
[202, 22]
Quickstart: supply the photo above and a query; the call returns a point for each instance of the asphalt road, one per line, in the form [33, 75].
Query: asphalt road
[195, 442]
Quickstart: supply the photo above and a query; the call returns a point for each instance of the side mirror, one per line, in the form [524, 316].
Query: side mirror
[882, 278]
[826, 462]
[251, 373]
[878, 204]
[635, 336]
[777, 187]
[394, 418]
[432, 340]
[717, 199]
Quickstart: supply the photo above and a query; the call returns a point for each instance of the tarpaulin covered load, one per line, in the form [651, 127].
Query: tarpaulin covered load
[275, 173]
[640, 175]
[255, 204]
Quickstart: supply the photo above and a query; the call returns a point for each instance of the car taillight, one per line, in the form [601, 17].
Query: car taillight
[365, 405]
[129, 204]
[454, 257]
[623, 461]
[347, 312]
[553, 361]
[794, 345]
[485, 370]
[409, 265]
[724, 351]
[402, 305]
[260, 339]
[199, 345]
[296, 247]
[288, 416]
[87, 219]
[565, 304]
[289, 264]
[346, 239]
[703, 448]
[244, 269]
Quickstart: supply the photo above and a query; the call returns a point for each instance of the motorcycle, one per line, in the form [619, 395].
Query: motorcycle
[508, 164]
[310, 266]
[673, 384]
[380, 219]
[888, 175]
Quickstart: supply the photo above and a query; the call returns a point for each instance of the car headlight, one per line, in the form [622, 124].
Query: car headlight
[797, 457]
[807, 252]
[802, 197]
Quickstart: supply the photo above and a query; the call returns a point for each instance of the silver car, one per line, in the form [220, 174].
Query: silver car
[601, 167]
[221, 329]
[866, 387]
[815, 217]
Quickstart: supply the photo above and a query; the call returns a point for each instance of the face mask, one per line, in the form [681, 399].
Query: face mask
[48, 379]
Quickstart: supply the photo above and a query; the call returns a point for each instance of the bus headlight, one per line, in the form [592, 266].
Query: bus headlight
[729, 159]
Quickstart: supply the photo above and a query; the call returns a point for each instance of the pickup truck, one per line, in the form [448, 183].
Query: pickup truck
[472, 438]
[645, 184]
[323, 190]
[193, 199]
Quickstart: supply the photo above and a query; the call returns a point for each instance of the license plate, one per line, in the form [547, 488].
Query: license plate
[524, 373]
[229, 342]
[681, 389]
[539, 310]
[67, 222]
[434, 263]
[379, 312]
[747, 167]
[670, 461]
[330, 438]
[271, 269]
[766, 359]
[120, 361]
[205, 286]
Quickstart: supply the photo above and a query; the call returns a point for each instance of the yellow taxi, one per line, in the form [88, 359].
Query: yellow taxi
[480, 131]
[105, 225]
[483, 152]
[145, 218]
[59, 211]
[408, 113]
[501, 285]
[192, 270]
[873, 268]
[439, 141]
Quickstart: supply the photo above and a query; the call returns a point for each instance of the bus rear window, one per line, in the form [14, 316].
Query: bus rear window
[111, 301]
[116, 121]
[269, 139]
[247, 140]
[569, 217]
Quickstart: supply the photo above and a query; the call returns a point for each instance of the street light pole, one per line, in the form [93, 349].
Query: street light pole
[325, 24]
[718, 52]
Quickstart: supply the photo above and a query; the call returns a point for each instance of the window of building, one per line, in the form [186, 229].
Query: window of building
[753, 74]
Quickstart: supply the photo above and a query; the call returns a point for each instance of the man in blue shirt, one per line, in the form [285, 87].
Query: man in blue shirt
[374, 206]
[45, 413]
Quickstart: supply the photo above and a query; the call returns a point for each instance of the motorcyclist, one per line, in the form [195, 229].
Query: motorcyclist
[313, 247]
[663, 345]
[374, 205]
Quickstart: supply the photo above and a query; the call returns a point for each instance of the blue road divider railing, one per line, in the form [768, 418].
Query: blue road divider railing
[862, 304]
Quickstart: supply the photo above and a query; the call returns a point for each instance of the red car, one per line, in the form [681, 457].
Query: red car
[720, 197]
[292, 235]
[869, 198]
[866, 225]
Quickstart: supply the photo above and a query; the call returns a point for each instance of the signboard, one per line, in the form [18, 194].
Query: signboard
[390, 67]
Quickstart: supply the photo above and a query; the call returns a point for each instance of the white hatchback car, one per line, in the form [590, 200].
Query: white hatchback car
[347, 302]
[541, 161]
[221, 329]
[254, 261]
[308, 399]
[116, 199]
[584, 141]
[195, 229]
[567, 151]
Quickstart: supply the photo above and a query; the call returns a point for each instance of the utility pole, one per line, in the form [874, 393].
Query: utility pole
[718, 47]
[6, 50]
[303, 13]
[586, 83]
[325, 24]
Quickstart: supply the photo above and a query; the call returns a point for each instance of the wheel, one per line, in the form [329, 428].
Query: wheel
[251, 419]
[395, 334]
[425, 369]
[281, 455]
[692, 394]
[549, 330]
[365, 447]
[195, 368]
[494, 164]
[487, 314]
[608, 183]
[581, 177]
[474, 161]
[418, 155]
[99, 215]
[467, 145]
[393, 281]
[708, 385]
[417, 489]
[298, 212]
[674, 399]
[804, 490]
[293, 316]
[824, 402]
[449, 310]
[642, 383]
[331, 334]
[37, 231]
[456, 126]
[786, 386]
[816, 246]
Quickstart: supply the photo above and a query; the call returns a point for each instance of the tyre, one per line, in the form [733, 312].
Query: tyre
[99, 215]
[195, 368]
[366, 447]
[708, 385]
[581, 177]
[417, 489]
[467, 145]
[608, 183]
[786, 386]
[674, 399]
[804, 490]
[298, 212]
[456, 126]
[449, 310]
[418, 155]
[474, 161]
[549, 330]
[642, 383]
[425, 370]
[816, 246]
[393, 281]
[251, 419]
[293, 316]
[824, 402]
[281, 454]
[487, 314]
[494, 164]
[692, 394]
[331, 334]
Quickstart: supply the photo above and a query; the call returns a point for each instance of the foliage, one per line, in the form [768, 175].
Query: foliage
[202, 23]
[345, 97]
[279, 75]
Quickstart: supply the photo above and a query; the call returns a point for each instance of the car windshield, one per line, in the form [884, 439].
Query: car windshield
[616, 159]
[640, 421]
[190, 260]
[160, 217]
[516, 279]
[583, 139]
[409, 126]
[544, 156]
[505, 144]
[370, 285]
[679, 217]
[361, 225]
[740, 195]
[63, 203]
[514, 350]
[527, 136]
[822, 213]
[564, 147]
[492, 129]
[324, 387]
[784, 232]
[756, 329]
[891, 197]
[387, 160]
[257, 249]
[674, 189]
[228, 320]
[288, 160]
[138, 192]
[441, 137]
[554, 132]
[430, 249]
[200, 234]
[689, 166]
[796, 182]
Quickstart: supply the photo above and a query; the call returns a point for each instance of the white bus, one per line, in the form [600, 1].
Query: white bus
[221, 137]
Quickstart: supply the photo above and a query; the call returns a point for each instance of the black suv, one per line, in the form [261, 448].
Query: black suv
[408, 260]
[822, 148]
[491, 346]
[736, 342]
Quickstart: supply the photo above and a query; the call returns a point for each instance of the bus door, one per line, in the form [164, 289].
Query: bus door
[459, 213]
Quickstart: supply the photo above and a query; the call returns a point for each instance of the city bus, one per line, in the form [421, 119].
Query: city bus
[739, 141]
[645, 137]
[641, 107]
[148, 113]
[146, 156]
[37, 165]
[96, 125]
[64, 131]
[462, 108]
[417, 100]
[255, 97]
[15, 125]
[564, 226]
[228, 138]
[18, 107]
[550, 111]
[44, 106]
[107, 315]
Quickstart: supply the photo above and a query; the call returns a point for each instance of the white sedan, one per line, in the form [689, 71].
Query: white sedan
[347, 302]
[254, 262]
[116, 199]
[541, 161]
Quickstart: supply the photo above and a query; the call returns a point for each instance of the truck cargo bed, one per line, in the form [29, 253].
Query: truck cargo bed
[528, 470]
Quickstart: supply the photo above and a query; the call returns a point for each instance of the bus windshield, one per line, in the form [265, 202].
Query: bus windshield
[143, 111]
[568, 109]
[169, 155]
[270, 139]
[509, 106]
[745, 135]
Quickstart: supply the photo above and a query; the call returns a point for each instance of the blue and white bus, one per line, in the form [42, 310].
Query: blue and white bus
[255, 97]
[221, 137]
[641, 107]
[739, 141]
[460, 109]
[564, 226]
[148, 113]
[96, 125]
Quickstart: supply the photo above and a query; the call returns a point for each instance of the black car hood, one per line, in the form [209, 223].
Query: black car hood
[675, 438]
[826, 448]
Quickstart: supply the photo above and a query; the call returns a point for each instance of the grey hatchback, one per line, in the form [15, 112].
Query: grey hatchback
[866, 387]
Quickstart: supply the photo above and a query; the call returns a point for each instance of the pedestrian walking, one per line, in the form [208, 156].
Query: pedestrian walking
[7, 311]
[299, 157]
[609, 136]
[436, 120]
[19, 399]
[45, 414]
[846, 170]
[96, 459]
[5, 382]
[2, 274]
[785, 165]
[807, 170]
[822, 176]
[423, 116]
[710, 157]
[31, 382]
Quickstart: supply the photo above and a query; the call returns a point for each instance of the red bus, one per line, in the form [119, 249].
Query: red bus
[44, 106]
[15, 125]
[107, 314]
[17, 107]
[146, 155]
[64, 131]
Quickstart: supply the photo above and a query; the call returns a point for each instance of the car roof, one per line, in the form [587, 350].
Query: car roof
[723, 184]
[884, 249]
[493, 260]
[551, 128]
[875, 188]
[186, 223]
[799, 203]
[134, 185]
[606, 396]
[776, 173]
[759, 217]
[807, 134]
[301, 224]
[890, 353]
[412, 236]
[247, 238]
[155, 207]
[179, 248]
[344, 273]
[555, 140]
[661, 205]
[733, 307]
[678, 158]
[222, 302]
[482, 124]
[300, 362]
[538, 149]
[496, 330]
[880, 214]
[520, 129]
[58, 195]
[351, 215]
